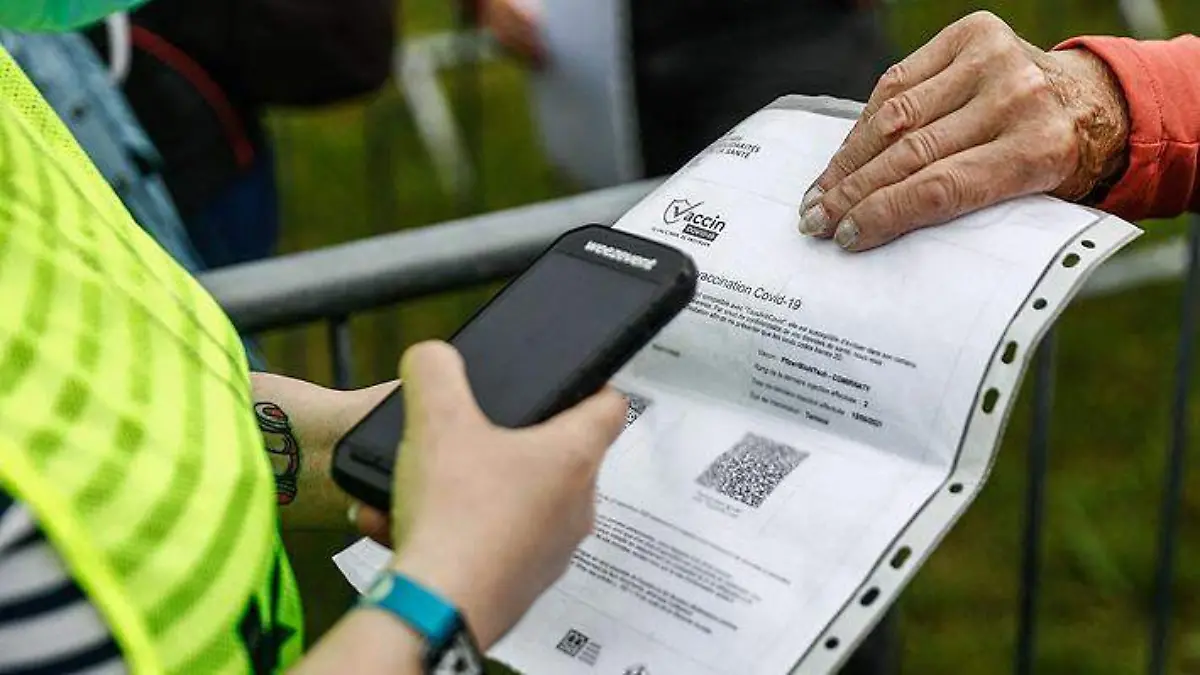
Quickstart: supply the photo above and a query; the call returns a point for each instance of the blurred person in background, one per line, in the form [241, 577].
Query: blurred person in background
[76, 83]
[200, 76]
[726, 60]
[979, 115]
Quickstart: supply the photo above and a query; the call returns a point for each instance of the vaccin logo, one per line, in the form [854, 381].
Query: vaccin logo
[697, 223]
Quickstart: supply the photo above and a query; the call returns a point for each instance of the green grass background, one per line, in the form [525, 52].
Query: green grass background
[357, 170]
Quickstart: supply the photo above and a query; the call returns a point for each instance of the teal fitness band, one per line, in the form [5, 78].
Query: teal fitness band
[434, 619]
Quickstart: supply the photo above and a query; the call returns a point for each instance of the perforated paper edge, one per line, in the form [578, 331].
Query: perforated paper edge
[977, 451]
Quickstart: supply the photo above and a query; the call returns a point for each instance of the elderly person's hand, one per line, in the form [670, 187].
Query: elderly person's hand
[976, 116]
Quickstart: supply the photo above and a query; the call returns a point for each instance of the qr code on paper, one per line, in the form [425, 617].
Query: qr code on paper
[572, 643]
[637, 406]
[751, 470]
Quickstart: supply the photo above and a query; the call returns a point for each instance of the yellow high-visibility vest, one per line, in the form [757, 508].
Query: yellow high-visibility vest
[126, 420]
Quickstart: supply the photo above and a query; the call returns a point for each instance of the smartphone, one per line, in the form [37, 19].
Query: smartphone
[550, 338]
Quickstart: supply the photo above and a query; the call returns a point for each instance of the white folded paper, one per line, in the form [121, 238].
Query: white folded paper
[806, 432]
[362, 562]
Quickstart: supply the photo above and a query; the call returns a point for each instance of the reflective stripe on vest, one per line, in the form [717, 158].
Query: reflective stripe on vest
[125, 417]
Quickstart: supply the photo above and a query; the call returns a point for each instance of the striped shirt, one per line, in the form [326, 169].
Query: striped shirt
[47, 623]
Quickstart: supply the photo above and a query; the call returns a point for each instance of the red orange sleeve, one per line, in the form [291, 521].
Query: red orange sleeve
[1161, 82]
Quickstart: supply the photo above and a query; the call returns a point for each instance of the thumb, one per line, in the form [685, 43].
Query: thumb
[436, 389]
[437, 398]
[592, 425]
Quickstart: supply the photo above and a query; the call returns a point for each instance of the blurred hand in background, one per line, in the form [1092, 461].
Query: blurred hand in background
[516, 25]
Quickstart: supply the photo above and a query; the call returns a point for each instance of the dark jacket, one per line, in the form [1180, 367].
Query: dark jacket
[204, 70]
[701, 67]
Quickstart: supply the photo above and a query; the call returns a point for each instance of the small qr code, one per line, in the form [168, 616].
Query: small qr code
[751, 470]
[637, 406]
[572, 643]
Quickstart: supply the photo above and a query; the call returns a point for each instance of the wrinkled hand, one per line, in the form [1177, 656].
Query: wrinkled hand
[515, 25]
[974, 117]
[491, 516]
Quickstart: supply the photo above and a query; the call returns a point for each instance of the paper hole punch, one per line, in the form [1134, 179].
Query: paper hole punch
[869, 597]
[901, 557]
[1010, 353]
[989, 400]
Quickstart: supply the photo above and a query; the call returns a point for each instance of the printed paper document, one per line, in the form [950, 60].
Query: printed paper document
[788, 426]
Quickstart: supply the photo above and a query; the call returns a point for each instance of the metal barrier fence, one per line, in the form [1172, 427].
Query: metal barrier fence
[331, 284]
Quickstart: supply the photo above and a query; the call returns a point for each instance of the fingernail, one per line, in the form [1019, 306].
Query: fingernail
[815, 221]
[847, 234]
[814, 193]
[352, 513]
